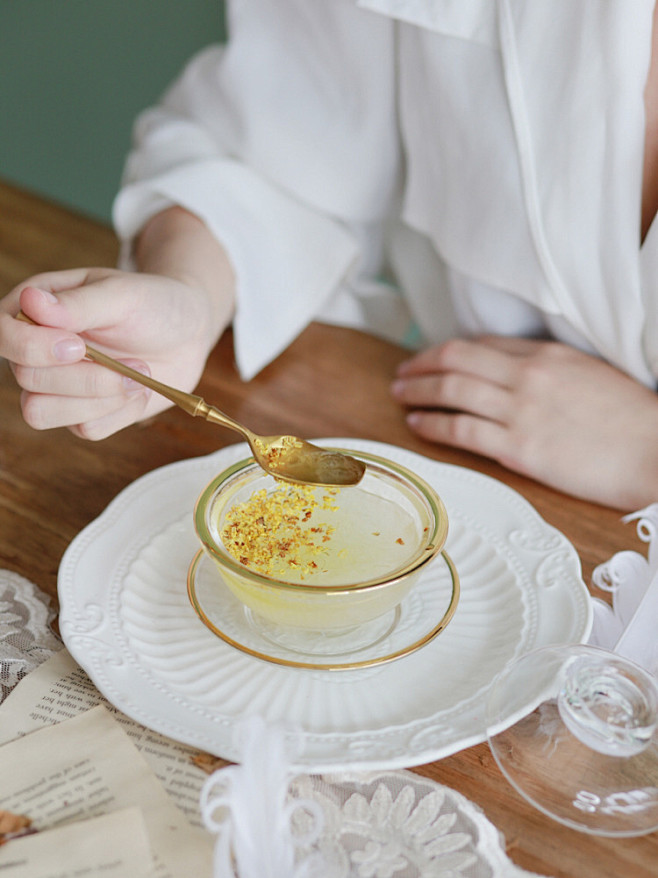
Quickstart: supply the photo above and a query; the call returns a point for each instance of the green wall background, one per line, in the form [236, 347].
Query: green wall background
[74, 74]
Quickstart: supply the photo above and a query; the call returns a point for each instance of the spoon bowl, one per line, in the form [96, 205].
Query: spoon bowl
[285, 457]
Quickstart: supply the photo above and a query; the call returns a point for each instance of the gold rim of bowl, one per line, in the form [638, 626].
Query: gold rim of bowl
[326, 666]
[430, 549]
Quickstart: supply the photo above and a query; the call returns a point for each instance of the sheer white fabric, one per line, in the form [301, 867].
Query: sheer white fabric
[628, 624]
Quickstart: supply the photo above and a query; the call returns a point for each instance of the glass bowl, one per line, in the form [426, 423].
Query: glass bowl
[316, 558]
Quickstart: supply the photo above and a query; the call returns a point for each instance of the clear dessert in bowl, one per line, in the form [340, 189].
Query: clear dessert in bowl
[317, 558]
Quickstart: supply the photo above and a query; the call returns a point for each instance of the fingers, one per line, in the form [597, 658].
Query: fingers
[57, 281]
[101, 428]
[461, 375]
[454, 391]
[83, 380]
[36, 345]
[93, 298]
[460, 430]
[517, 347]
[40, 345]
[87, 418]
[43, 307]
[80, 307]
[88, 398]
[79, 300]
[465, 356]
[462, 393]
[58, 318]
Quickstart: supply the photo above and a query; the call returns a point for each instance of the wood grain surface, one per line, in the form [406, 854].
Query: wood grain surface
[330, 382]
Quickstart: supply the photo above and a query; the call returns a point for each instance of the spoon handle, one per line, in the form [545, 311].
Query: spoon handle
[189, 402]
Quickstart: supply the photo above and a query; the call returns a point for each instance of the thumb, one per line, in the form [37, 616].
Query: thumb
[78, 299]
[44, 308]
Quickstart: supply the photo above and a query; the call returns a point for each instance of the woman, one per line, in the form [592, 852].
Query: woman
[482, 175]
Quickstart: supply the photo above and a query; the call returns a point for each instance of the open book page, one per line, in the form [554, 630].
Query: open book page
[59, 689]
[115, 845]
[87, 766]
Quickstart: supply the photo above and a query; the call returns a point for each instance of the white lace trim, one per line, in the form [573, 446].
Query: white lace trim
[384, 824]
[398, 824]
[25, 636]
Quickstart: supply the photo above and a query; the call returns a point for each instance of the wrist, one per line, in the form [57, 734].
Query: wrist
[178, 245]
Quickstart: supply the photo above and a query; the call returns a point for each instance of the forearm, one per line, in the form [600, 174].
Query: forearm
[177, 244]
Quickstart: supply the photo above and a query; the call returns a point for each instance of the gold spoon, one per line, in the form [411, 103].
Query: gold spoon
[285, 457]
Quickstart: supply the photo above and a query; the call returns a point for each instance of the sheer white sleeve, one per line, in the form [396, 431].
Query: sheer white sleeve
[283, 142]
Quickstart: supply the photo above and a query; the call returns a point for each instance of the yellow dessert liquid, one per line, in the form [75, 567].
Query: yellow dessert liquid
[312, 536]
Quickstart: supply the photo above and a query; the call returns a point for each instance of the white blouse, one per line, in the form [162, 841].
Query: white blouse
[417, 167]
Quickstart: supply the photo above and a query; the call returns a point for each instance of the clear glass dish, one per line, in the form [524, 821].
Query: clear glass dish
[574, 729]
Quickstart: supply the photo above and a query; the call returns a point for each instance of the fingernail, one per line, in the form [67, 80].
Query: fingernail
[48, 296]
[133, 389]
[397, 388]
[69, 350]
[130, 385]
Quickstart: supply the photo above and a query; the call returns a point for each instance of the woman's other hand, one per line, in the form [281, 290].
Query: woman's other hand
[541, 408]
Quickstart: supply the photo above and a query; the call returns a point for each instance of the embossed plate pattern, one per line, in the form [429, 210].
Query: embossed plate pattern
[126, 619]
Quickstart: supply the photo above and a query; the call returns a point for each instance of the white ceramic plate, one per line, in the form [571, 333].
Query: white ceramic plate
[126, 618]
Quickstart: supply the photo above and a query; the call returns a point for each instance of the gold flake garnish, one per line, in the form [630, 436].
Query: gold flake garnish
[275, 532]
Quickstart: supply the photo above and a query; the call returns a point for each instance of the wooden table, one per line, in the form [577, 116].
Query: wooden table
[52, 485]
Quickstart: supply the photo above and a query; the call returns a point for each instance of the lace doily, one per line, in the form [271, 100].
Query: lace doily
[400, 825]
[384, 824]
[25, 636]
